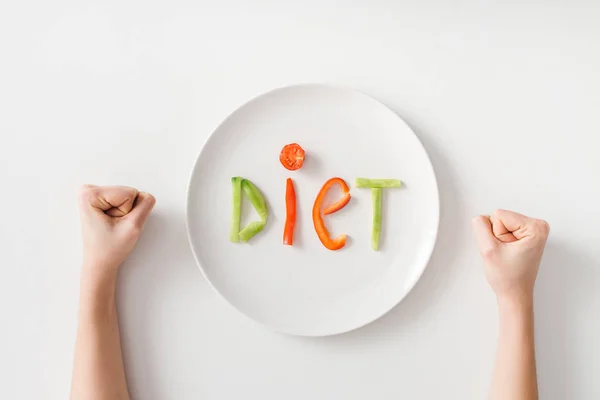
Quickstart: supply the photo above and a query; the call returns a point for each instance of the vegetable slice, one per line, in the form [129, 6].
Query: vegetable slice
[260, 205]
[234, 229]
[250, 230]
[292, 156]
[340, 241]
[290, 213]
[256, 198]
[338, 205]
[377, 186]
[377, 183]
[376, 232]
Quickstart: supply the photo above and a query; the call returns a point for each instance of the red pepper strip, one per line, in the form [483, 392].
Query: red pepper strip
[322, 232]
[290, 213]
[338, 205]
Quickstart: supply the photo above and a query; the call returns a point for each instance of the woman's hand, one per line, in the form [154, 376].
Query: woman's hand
[511, 246]
[112, 219]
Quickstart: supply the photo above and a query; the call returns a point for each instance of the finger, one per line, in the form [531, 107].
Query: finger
[115, 212]
[144, 203]
[539, 228]
[115, 201]
[500, 231]
[486, 241]
[515, 223]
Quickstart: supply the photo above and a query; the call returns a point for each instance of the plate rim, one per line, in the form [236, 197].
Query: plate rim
[258, 97]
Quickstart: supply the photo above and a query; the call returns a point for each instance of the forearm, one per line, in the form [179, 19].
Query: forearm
[98, 371]
[515, 372]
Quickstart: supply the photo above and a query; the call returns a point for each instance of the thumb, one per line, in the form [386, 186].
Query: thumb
[486, 241]
[143, 205]
[500, 230]
[514, 223]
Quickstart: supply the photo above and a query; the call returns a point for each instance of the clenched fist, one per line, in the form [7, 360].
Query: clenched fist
[511, 245]
[112, 219]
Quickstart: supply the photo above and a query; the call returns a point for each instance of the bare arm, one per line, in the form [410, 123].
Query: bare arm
[514, 372]
[112, 220]
[511, 246]
[98, 367]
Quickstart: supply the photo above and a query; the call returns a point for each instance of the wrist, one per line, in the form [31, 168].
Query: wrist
[516, 308]
[97, 288]
[515, 300]
[98, 270]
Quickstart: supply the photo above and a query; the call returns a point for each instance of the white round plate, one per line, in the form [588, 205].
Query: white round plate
[306, 289]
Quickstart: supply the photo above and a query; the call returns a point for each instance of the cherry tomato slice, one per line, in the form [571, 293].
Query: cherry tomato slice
[292, 156]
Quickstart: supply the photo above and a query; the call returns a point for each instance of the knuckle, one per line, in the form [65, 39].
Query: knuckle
[129, 191]
[542, 227]
[151, 199]
[85, 192]
[501, 213]
[488, 253]
[479, 219]
[545, 225]
[147, 197]
[83, 189]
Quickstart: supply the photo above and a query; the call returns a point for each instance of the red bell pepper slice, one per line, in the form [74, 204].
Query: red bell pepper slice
[338, 205]
[340, 241]
[290, 213]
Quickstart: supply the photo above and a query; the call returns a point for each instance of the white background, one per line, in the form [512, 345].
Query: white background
[504, 97]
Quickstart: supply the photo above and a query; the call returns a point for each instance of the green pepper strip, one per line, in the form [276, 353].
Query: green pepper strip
[260, 205]
[376, 233]
[234, 229]
[366, 183]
